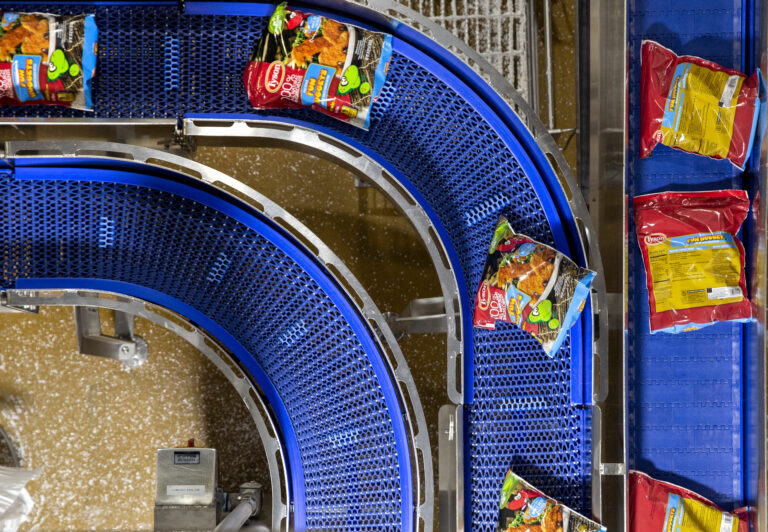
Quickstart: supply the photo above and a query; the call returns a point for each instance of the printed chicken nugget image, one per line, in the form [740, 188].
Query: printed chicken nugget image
[34, 23]
[305, 51]
[543, 253]
[8, 44]
[336, 32]
[10, 41]
[553, 520]
[35, 42]
[333, 57]
[510, 272]
[533, 284]
[543, 268]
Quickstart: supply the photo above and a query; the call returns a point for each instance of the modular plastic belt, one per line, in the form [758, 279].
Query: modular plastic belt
[687, 392]
[149, 234]
[458, 149]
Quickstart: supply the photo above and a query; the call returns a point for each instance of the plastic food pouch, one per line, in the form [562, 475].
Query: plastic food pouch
[523, 508]
[531, 285]
[694, 105]
[47, 59]
[307, 60]
[656, 505]
[694, 263]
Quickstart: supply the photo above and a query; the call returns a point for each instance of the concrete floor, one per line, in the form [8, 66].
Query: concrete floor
[94, 425]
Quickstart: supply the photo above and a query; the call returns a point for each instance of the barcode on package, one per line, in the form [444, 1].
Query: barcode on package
[723, 292]
[726, 523]
[728, 90]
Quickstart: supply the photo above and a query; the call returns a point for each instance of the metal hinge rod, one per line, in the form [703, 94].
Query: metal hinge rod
[421, 316]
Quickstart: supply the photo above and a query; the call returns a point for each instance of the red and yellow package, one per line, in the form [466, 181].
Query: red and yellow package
[694, 262]
[657, 505]
[695, 105]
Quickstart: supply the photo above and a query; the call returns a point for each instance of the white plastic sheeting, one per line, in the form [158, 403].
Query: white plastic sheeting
[15, 502]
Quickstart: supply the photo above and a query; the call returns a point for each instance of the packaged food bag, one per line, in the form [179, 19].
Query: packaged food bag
[657, 505]
[523, 508]
[694, 262]
[694, 105]
[531, 285]
[306, 60]
[47, 59]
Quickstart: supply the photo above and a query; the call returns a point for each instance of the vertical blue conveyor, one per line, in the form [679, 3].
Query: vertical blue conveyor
[686, 392]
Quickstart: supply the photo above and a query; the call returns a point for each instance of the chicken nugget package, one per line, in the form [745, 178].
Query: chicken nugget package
[523, 508]
[657, 505]
[531, 285]
[695, 105]
[694, 262]
[306, 60]
[47, 59]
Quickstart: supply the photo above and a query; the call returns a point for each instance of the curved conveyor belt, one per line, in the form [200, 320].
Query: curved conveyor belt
[163, 237]
[466, 157]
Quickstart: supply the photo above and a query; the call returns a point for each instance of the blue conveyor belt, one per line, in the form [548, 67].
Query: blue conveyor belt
[462, 150]
[685, 391]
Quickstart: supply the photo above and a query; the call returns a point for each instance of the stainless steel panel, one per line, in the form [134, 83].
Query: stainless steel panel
[605, 171]
[185, 518]
[186, 476]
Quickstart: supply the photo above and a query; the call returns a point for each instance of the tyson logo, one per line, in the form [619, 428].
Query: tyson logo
[275, 76]
[484, 296]
[654, 239]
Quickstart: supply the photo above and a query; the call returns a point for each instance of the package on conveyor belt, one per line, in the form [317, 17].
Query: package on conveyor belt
[694, 262]
[531, 285]
[47, 59]
[523, 508]
[697, 106]
[306, 60]
[657, 505]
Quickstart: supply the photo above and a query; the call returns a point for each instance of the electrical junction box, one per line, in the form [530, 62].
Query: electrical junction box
[186, 497]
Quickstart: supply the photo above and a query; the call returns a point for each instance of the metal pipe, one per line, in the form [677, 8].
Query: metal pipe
[237, 517]
[548, 52]
[533, 57]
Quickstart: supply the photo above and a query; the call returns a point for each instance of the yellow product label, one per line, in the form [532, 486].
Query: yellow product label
[687, 515]
[698, 270]
[700, 108]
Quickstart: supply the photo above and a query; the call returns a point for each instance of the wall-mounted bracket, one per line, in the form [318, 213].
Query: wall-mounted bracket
[126, 347]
